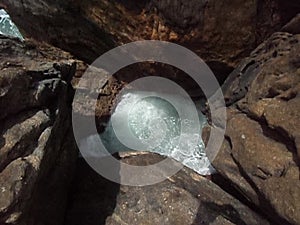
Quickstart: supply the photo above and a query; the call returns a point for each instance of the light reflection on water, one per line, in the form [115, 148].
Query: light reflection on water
[7, 27]
[155, 122]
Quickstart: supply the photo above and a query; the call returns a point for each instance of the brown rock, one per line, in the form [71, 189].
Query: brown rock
[55, 24]
[221, 32]
[259, 155]
[35, 144]
[185, 198]
[293, 26]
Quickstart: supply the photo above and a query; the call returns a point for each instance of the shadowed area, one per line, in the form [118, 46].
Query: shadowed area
[92, 198]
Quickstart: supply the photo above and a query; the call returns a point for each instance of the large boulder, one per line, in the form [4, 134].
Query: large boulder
[260, 154]
[37, 152]
[185, 198]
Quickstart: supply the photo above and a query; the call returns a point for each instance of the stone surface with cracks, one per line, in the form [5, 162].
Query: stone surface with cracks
[260, 154]
[37, 154]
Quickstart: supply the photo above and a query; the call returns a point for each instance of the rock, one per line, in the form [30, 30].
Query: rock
[185, 198]
[211, 31]
[259, 154]
[206, 27]
[274, 51]
[54, 22]
[92, 198]
[36, 147]
[259, 157]
[180, 13]
[18, 132]
[293, 26]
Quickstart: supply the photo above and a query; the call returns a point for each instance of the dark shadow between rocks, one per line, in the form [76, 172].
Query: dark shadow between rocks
[221, 70]
[92, 198]
[280, 135]
[2, 142]
[17, 118]
[136, 6]
[18, 151]
[289, 9]
[226, 211]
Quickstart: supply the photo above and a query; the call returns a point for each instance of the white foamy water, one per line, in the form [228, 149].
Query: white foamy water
[155, 123]
[7, 27]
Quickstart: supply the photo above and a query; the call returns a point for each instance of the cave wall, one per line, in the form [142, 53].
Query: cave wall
[206, 27]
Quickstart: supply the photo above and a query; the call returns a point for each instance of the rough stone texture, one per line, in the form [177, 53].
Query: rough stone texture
[182, 14]
[36, 147]
[108, 87]
[185, 198]
[260, 154]
[62, 24]
[221, 32]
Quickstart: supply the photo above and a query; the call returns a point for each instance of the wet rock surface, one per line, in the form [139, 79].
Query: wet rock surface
[260, 155]
[36, 151]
